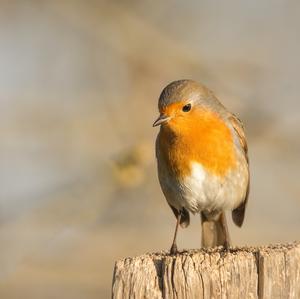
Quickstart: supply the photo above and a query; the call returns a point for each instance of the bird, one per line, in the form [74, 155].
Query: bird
[202, 160]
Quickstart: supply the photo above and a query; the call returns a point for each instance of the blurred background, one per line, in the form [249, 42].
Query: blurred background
[79, 83]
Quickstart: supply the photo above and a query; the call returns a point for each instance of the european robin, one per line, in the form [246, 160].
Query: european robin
[202, 160]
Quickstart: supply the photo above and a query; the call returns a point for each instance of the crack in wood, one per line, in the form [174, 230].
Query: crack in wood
[258, 273]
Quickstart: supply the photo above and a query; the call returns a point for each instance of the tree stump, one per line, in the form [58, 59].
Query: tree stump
[263, 272]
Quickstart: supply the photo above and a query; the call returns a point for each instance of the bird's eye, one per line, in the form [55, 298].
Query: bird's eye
[186, 108]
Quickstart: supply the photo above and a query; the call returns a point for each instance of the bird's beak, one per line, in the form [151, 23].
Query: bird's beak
[162, 119]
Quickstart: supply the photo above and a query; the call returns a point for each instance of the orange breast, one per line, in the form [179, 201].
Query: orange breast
[199, 136]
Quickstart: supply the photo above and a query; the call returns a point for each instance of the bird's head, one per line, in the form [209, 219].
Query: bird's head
[182, 102]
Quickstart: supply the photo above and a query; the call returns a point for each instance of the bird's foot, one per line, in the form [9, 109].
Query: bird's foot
[226, 249]
[226, 246]
[173, 249]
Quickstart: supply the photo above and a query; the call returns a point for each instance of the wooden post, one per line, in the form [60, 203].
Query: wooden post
[265, 272]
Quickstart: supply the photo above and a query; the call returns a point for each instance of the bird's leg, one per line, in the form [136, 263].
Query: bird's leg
[225, 231]
[173, 249]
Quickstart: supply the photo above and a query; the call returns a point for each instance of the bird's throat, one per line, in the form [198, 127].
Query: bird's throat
[203, 138]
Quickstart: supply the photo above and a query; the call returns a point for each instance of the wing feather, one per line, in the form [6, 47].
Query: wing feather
[238, 214]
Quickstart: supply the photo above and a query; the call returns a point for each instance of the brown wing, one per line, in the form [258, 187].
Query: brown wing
[238, 214]
[185, 216]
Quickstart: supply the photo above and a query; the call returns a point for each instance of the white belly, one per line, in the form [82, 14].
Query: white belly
[193, 188]
[205, 191]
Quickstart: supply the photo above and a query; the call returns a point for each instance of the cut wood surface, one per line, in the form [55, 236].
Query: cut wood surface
[248, 272]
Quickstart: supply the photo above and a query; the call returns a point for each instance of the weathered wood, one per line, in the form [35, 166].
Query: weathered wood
[263, 272]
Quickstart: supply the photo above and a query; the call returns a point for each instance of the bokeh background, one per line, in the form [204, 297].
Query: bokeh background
[79, 83]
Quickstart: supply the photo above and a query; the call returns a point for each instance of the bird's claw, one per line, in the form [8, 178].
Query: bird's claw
[173, 249]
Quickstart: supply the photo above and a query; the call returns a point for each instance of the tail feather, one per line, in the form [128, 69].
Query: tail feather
[213, 233]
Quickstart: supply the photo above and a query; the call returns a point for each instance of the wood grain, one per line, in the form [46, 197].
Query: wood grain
[262, 272]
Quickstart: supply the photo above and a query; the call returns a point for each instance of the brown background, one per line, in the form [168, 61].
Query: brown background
[79, 83]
